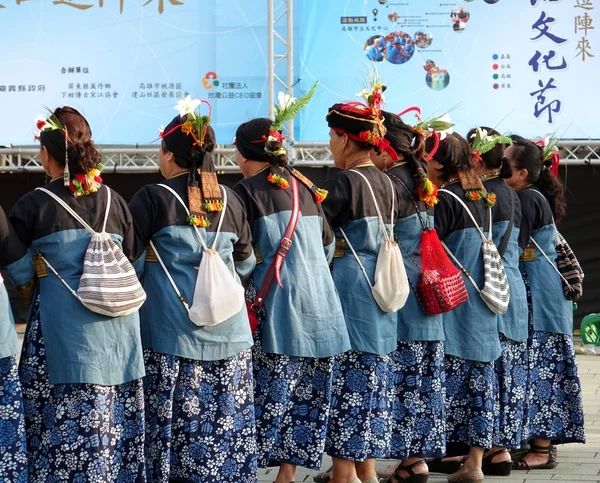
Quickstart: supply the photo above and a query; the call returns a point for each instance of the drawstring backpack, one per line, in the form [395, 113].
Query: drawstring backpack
[441, 287]
[218, 296]
[108, 285]
[390, 287]
[496, 291]
[569, 269]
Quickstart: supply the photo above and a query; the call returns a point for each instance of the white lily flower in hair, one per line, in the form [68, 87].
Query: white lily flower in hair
[443, 134]
[483, 134]
[365, 93]
[285, 100]
[546, 141]
[187, 106]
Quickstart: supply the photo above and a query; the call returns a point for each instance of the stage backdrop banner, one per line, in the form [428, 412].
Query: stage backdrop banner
[126, 63]
[526, 66]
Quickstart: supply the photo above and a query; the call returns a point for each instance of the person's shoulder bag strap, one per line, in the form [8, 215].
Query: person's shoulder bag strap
[284, 247]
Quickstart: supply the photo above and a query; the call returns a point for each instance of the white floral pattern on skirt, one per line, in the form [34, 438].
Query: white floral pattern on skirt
[13, 445]
[199, 419]
[79, 433]
[418, 406]
[471, 402]
[361, 416]
[511, 370]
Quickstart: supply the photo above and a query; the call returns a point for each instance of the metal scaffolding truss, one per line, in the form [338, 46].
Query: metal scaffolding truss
[280, 73]
[145, 159]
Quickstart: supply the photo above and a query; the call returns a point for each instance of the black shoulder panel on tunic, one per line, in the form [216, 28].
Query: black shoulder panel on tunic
[536, 213]
[154, 208]
[450, 215]
[501, 210]
[349, 197]
[37, 215]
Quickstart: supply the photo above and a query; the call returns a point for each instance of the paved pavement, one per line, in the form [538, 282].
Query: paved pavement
[577, 462]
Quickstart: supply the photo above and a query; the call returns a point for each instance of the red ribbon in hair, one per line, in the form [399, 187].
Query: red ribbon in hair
[381, 143]
[555, 157]
[476, 156]
[274, 134]
[411, 109]
[436, 138]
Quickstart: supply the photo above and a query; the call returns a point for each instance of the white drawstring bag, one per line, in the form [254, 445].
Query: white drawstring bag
[390, 288]
[218, 295]
[108, 285]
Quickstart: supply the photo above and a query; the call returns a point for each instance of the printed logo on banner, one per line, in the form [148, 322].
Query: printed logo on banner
[210, 80]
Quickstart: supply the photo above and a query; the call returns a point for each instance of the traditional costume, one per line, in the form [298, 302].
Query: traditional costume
[301, 324]
[80, 371]
[361, 410]
[199, 384]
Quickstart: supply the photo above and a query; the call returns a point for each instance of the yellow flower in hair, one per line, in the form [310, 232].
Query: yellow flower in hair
[187, 127]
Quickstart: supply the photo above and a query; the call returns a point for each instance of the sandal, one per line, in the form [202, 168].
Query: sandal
[323, 476]
[503, 468]
[438, 465]
[521, 464]
[413, 477]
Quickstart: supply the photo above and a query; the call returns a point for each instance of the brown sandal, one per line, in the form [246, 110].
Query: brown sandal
[521, 464]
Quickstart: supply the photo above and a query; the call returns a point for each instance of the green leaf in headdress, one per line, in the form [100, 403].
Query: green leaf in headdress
[289, 111]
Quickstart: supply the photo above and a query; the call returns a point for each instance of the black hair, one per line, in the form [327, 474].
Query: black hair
[406, 141]
[251, 140]
[494, 159]
[183, 146]
[530, 156]
[82, 153]
[454, 154]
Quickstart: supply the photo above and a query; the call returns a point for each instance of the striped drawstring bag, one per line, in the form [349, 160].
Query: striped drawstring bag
[496, 291]
[108, 285]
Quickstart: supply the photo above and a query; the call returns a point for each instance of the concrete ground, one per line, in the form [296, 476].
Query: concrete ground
[577, 462]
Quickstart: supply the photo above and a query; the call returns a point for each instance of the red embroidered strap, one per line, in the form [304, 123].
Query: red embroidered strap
[273, 274]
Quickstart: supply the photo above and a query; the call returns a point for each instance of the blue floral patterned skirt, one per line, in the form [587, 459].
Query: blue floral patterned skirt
[361, 407]
[292, 397]
[471, 402]
[13, 445]
[79, 433]
[554, 408]
[199, 419]
[418, 410]
[511, 370]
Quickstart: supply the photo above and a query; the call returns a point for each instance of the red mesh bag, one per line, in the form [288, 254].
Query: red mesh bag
[441, 286]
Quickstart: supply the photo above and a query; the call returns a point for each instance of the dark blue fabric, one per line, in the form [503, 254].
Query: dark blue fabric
[199, 419]
[13, 444]
[79, 432]
[418, 407]
[471, 402]
[554, 407]
[361, 407]
[511, 370]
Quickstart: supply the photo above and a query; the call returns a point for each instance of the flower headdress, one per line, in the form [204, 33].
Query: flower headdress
[185, 136]
[363, 122]
[286, 109]
[438, 128]
[482, 142]
[550, 153]
[82, 183]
